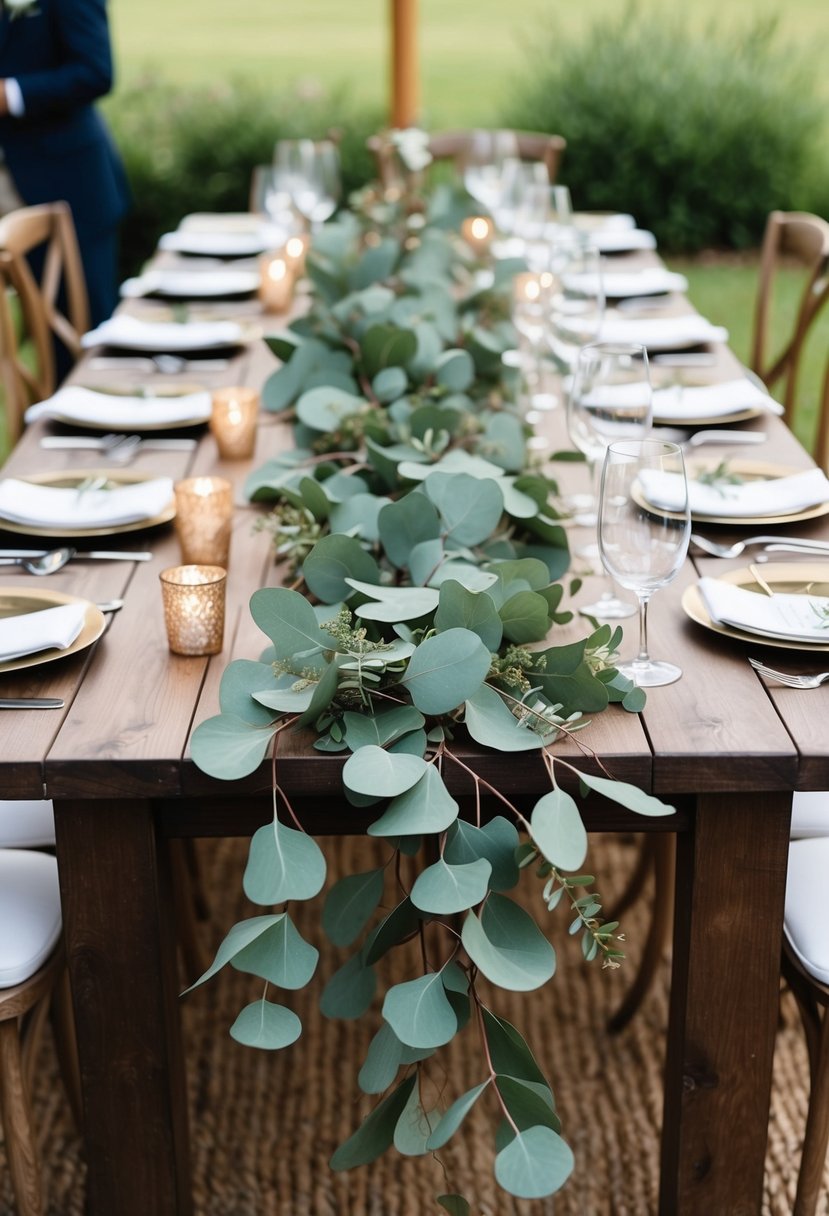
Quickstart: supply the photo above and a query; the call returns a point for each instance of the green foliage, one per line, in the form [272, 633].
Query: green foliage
[700, 133]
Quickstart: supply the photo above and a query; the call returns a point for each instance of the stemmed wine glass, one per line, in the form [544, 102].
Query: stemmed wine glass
[575, 298]
[310, 173]
[483, 165]
[643, 546]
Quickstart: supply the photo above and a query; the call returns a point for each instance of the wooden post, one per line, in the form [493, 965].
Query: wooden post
[405, 103]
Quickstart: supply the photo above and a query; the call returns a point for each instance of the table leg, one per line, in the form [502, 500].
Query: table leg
[731, 876]
[121, 950]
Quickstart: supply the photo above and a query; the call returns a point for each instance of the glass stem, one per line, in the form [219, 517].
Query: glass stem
[643, 656]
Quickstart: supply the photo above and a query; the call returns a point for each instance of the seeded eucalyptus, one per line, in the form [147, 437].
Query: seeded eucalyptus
[424, 551]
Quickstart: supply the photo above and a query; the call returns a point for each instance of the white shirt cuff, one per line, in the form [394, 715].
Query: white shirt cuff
[14, 98]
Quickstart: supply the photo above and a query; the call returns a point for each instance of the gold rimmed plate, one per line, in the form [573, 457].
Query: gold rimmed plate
[749, 470]
[17, 602]
[755, 411]
[125, 388]
[790, 578]
[66, 479]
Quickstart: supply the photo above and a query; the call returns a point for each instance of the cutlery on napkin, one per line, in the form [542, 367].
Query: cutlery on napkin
[794, 618]
[774, 496]
[33, 631]
[88, 407]
[685, 403]
[91, 443]
[171, 336]
[26, 502]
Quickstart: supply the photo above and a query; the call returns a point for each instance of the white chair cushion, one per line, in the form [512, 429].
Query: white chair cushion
[810, 815]
[806, 905]
[26, 825]
[30, 920]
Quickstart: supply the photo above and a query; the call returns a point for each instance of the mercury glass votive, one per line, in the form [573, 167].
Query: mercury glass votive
[478, 232]
[194, 608]
[233, 421]
[295, 253]
[204, 514]
[276, 282]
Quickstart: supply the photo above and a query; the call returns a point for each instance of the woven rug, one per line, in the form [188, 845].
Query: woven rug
[264, 1125]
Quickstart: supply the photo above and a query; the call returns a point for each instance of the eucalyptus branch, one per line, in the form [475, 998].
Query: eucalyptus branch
[493, 1076]
[490, 788]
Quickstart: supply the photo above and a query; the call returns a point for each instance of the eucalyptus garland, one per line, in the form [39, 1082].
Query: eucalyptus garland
[424, 552]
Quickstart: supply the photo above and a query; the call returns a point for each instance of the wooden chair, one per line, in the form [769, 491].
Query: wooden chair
[32, 976]
[47, 232]
[790, 237]
[822, 438]
[454, 145]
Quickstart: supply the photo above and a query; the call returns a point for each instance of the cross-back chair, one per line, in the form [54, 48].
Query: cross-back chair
[790, 237]
[456, 145]
[48, 307]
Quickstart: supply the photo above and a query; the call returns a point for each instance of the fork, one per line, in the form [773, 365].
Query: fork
[787, 678]
[794, 543]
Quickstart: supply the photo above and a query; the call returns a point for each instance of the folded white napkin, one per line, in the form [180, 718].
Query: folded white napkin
[221, 221]
[192, 284]
[621, 240]
[652, 281]
[777, 496]
[662, 333]
[598, 221]
[791, 617]
[684, 403]
[82, 405]
[33, 631]
[25, 502]
[219, 243]
[169, 336]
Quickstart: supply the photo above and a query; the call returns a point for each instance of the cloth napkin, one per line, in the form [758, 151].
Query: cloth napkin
[217, 243]
[224, 221]
[650, 282]
[621, 240]
[662, 333]
[681, 403]
[778, 496]
[595, 221]
[192, 284]
[25, 502]
[131, 333]
[82, 405]
[791, 617]
[33, 631]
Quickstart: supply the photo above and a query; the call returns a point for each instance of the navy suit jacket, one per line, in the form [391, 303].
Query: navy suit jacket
[59, 53]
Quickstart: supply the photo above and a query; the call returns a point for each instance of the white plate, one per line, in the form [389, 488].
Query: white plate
[192, 284]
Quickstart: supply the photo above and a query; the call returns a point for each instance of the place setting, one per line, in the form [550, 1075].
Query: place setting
[785, 604]
[125, 332]
[86, 502]
[740, 492]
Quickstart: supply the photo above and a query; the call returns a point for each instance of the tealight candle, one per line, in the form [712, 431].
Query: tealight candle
[478, 232]
[233, 421]
[295, 252]
[276, 283]
[527, 288]
[194, 608]
[204, 512]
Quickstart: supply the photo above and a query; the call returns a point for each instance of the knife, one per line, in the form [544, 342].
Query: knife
[71, 442]
[31, 703]
[103, 555]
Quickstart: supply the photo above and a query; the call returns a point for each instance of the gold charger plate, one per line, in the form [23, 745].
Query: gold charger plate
[16, 602]
[123, 388]
[751, 470]
[755, 411]
[783, 577]
[67, 478]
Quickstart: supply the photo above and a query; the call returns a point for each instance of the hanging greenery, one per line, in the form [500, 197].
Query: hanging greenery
[425, 553]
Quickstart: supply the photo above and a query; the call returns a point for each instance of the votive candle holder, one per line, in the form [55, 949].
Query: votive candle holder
[233, 422]
[295, 252]
[478, 231]
[204, 514]
[277, 279]
[194, 608]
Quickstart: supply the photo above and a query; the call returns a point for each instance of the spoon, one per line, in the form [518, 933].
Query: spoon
[48, 563]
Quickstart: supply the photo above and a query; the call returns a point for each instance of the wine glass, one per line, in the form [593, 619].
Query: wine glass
[310, 173]
[576, 299]
[483, 165]
[610, 398]
[643, 546]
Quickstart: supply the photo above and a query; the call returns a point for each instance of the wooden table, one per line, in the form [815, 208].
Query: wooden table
[117, 764]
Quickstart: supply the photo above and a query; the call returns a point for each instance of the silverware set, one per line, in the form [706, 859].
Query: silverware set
[119, 449]
[771, 544]
[168, 365]
[788, 678]
[49, 561]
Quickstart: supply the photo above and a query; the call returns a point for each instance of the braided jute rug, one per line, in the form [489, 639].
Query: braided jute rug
[264, 1125]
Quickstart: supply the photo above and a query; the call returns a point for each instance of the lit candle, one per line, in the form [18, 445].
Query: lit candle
[194, 608]
[233, 421]
[204, 513]
[295, 252]
[478, 232]
[527, 288]
[276, 283]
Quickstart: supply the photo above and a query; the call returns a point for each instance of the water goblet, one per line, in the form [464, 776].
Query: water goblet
[641, 545]
[575, 298]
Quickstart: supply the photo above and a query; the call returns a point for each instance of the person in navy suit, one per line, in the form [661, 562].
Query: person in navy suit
[55, 60]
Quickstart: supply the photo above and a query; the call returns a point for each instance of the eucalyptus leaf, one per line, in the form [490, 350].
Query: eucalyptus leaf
[358, 514]
[283, 864]
[419, 1012]
[454, 1116]
[228, 747]
[267, 1026]
[240, 679]
[490, 722]
[528, 1102]
[380, 728]
[400, 923]
[506, 944]
[470, 508]
[350, 990]
[462, 609]
[387, 346]
[558, 830]
[509, 1051]
[424, 808]
[381, 1063]
[444, 889]
[425, 560]
[405, 523]
[371, 770]
[237, 939]
[324, 409]
[524, 617]
[496, 841]
[414, 1127]
[537, 1162]
[389, 384]
[454, 370]
[455, 1205]
[288, 620]
[349, 905]
[627, 795]
[446, 670]
[280, 955]
[376, 1133]
[395, 603]
[334, 559]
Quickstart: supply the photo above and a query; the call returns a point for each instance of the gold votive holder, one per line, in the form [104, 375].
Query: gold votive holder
[295, 252]
[204, 514]
[277, 279]
[233, 421]
[527, 288]
[194, 608]
[478, 231]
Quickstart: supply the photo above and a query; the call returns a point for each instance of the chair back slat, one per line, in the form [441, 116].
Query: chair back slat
[455, 145]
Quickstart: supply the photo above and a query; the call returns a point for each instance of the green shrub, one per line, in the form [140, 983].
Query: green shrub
[193, 149]
[698, 133]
